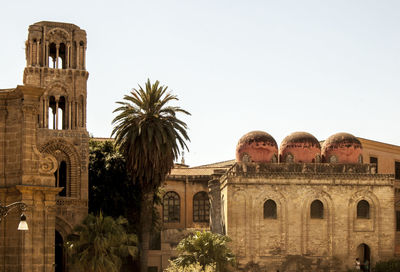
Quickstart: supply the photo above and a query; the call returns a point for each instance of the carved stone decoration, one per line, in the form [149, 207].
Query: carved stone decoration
[47, 163]
[57, 35]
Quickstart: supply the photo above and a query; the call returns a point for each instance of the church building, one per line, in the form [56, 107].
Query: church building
[303, 206]
[44, 149]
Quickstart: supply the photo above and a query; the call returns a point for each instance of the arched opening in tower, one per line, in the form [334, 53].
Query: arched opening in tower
[52, 55]
[52, 113]
[62, 56]
[61, 178]
[62, 122]
[59, 253]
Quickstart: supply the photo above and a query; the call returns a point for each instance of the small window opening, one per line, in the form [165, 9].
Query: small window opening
[52, 113]
[317, 209]
[397, 170]
[62, 120]
[397, 220]
[52, 55]
[270, 209]
[61, 178]
[62, 56]
[374, 160]
[363, 209]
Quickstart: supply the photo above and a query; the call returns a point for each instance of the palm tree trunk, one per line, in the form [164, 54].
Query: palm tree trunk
[146, 218]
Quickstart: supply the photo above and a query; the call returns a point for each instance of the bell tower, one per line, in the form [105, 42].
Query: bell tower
[56, 63]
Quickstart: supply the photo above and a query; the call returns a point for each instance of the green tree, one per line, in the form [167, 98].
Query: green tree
[196, 267]
[207, 249]
[150, 136]
[110, 188]
[100, 243]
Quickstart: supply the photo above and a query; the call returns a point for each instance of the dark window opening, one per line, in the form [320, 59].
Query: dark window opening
[270, 209]
[52, 55]
[374, 160]
[201, 207]
[317, 209]
[59, 253]
[61, 178]
[397, 220]
[363, 209]
[171, 207]
[155, 240]
[62, 56]
[397, 170]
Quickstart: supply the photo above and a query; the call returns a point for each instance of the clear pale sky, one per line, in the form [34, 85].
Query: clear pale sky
[237, 66]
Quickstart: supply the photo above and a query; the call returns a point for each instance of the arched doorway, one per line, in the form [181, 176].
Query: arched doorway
[364, 253]
[59, 253]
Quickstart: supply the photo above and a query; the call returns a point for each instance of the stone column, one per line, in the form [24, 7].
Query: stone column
[77, 56]
[57, 54]
[69, 115]
[84, 57]
[30, 53]
[47, 55]
[56, 121]
[68, 54]
[37, 53]
[214, 193]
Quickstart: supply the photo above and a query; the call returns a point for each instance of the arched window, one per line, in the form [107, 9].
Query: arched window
[201, 207]
[61, 178]
[270, 209]
[317, 209]
[363, 209]
[171, 207]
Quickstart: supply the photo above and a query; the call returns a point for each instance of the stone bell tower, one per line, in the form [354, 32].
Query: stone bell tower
[55, 62]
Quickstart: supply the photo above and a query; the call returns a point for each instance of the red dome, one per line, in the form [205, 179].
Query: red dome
[300, 147]
[257, 146]
[342, 148]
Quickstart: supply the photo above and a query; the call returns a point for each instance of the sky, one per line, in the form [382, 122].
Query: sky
[279, 66]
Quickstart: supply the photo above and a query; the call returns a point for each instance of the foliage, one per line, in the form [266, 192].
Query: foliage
[392, 265]
[205, 248]
[196, 267]
[149, 135]
[100, 243]
[110, 188]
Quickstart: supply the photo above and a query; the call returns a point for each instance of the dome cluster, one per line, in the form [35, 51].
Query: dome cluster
[298, 147]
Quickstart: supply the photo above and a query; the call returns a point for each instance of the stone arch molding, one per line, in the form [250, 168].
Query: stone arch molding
[326, 199]
[374, 210]
[63, 150]
[63, 227]
[275, 245]
[57, 88]
[58, 35]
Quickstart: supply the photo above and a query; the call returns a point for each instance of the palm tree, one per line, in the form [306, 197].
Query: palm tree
[149, 134]
[207, 249]
[100, 243]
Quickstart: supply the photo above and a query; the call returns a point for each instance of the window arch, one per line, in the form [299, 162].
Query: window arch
[363, 209]
[171, 207]
[201, 207]
[270, 209]
[317, 209]
[61, 178]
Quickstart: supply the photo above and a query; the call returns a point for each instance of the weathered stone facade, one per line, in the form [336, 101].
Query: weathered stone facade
[336, 235]
[292, 239]
[44, 148]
